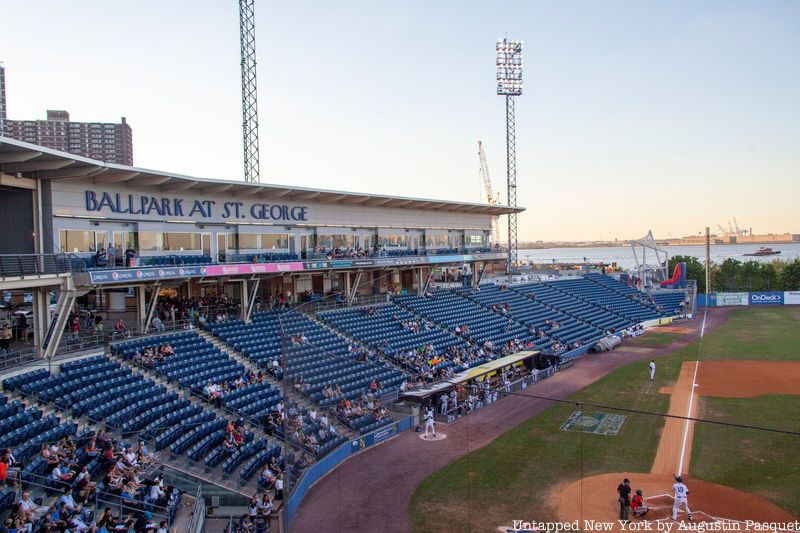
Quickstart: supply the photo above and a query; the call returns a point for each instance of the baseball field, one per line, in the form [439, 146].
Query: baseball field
[723, 410]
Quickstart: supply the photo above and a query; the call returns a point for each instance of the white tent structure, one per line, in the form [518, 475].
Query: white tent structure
[654, 271]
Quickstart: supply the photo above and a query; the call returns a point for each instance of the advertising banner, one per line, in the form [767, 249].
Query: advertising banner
[732, 298]
[791, 298]
[375, 437]
[766, 298]
[253, 268]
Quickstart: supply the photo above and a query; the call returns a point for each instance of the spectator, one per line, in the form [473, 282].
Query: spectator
[101, 258]
[5, 338]
[28, 510]
[130, 253]
[157, 324]
[120, 329]
[112, 254]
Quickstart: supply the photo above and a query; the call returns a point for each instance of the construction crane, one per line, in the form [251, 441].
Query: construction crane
[487, 187]
[723, 230]
[247, 38]
[736, 225]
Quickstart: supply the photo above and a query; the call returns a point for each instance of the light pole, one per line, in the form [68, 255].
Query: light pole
[509, 84]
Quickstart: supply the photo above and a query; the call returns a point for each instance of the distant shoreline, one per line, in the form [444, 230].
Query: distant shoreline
[618, 244]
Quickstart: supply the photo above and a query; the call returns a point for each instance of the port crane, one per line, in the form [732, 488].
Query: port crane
[491, 198]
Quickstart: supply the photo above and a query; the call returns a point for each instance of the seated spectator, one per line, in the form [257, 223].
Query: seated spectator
[157, 324]
[143, 456]
[28, 510]
[69, 502]
[62, 473]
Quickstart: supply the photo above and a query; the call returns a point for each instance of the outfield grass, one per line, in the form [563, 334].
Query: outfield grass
[763, 462]
[511, 477]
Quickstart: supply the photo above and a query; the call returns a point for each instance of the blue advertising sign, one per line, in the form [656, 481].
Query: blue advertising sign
[766, 298]
[144, 274]
[375, 437]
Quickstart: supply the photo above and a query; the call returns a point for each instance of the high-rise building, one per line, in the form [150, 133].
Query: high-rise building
[2, 100]
[109, 142]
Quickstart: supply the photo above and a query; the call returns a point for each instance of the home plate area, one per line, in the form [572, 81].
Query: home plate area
[661, 510]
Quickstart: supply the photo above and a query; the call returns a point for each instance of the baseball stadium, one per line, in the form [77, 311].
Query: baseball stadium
[185, 351]
[181, 353]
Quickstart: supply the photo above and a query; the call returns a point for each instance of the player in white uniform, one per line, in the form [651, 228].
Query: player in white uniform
[429, 422]
[681, 498]
[652, 369]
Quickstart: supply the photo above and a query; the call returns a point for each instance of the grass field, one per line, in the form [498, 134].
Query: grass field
[510, 477]
[767, 463]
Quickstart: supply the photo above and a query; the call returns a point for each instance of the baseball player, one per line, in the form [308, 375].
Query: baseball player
[652, 369]
[638, 507]
[681, 494]
[429, 422]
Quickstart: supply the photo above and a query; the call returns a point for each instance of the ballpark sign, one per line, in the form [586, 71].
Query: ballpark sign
[142, 204]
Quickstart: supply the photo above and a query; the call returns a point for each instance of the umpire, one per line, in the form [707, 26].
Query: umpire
[624, 490]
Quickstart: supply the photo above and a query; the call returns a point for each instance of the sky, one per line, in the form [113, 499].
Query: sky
[640, 115]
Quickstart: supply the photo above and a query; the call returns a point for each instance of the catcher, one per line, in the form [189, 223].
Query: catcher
[638, 508]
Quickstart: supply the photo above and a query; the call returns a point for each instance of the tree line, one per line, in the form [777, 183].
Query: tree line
[742, 276]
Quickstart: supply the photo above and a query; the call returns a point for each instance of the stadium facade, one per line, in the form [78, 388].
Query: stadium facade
[244, 237]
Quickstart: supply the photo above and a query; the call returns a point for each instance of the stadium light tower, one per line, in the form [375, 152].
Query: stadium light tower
[247, 37]
[509, 84]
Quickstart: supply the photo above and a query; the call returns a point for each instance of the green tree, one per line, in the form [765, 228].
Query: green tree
[790, 275]
[750, 276]
[726, 276]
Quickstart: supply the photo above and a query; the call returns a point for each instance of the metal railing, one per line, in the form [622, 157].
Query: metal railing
[36, 264]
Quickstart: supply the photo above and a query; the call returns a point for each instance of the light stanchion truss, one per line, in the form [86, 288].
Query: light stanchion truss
[247, 35]
[509, 84]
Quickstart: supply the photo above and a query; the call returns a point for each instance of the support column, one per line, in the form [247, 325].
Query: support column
[151, 307]
[141, 308]
[347, 284]
[249, 303]
[480, 275]
[243, 312]
[41, 308]
[351, 295]
[427, 281]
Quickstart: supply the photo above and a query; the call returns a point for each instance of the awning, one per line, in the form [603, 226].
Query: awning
[467, 375]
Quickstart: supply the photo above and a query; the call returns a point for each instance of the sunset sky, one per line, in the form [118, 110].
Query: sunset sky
[640, 115]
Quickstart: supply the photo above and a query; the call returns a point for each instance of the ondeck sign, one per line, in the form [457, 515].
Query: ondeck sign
[766, 298]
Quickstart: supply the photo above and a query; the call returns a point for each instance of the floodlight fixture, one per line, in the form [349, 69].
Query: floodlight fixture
[509, 67]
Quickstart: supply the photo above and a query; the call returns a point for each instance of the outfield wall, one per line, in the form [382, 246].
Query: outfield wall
[318, 470]
[724, 299]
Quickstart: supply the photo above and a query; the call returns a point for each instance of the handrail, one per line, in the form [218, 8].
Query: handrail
[18, 265]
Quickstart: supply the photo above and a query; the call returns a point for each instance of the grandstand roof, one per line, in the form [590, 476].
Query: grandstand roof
[31, 160]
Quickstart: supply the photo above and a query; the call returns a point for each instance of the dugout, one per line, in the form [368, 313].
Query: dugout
[480, 373]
